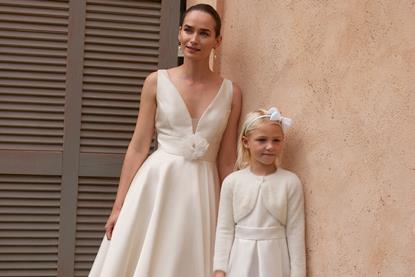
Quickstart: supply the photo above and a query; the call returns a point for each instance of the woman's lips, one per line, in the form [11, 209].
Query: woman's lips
[192, 49]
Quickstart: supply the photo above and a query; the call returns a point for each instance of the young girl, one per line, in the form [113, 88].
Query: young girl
[260, 231]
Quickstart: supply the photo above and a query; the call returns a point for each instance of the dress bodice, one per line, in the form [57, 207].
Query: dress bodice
[174, 127]
[259, 216]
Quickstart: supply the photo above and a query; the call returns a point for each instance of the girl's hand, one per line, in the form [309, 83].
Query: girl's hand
[109, 226]
[219, 274]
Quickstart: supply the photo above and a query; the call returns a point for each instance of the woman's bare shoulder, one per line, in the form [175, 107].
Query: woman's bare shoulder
[150, 84]
[151, 78]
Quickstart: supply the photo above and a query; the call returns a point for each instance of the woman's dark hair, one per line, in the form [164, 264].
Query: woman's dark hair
[207, 9]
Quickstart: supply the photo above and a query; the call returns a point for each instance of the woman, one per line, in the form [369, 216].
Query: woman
[164, 226]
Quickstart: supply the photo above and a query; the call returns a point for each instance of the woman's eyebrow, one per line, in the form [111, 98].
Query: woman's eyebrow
[201, 29]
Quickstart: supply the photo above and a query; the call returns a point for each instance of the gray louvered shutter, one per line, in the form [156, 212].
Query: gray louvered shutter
[67, 112]
[122, 46]
[33, 44]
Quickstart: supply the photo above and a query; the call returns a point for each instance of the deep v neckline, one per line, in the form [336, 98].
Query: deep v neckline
[188, 115]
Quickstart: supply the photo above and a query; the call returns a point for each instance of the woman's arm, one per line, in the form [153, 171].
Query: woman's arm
[138, 148]
[227, 150]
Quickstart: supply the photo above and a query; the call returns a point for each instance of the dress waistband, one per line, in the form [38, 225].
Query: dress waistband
[192, 147]
[263, 233]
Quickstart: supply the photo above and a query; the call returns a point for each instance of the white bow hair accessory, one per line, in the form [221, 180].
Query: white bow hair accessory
[275, 115]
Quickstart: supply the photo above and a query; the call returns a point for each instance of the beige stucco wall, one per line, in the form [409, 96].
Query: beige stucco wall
[345, 72]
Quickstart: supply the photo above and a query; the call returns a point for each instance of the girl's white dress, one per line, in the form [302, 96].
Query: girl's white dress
[167, 223]
[260, 230]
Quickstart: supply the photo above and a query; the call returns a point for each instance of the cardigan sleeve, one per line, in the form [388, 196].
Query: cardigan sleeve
[295, 229]
[225, 230]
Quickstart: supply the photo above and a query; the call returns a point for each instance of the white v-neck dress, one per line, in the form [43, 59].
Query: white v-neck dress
[166, 227]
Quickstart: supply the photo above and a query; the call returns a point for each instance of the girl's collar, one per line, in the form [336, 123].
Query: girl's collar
[261, 177]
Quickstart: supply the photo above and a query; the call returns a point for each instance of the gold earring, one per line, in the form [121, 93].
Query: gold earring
[180, 50]
[214, 53]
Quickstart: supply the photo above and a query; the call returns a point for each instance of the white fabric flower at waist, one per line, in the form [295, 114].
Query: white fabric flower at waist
[194, 146]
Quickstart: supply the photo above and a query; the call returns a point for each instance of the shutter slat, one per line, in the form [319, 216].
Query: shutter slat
[119, 18]
[36, 52]
[23, 180]
[31, 195]
[51, 5]
[112, 135]
[155, 5]
[29, 211]
[30, 131]
[127, 81]
[132, 97]
[31, 203]
[33, 108]
[99, 60]
[29, 226]
[29, 242]
[97, 212]
[122, 42]
[122, 34]
[111, 104]
[24, 257]
[35, 68]
[31, 124]
[28, 60]
[33, 44]
[45, 20]
[111, 142]
[32, 92]
[33, 76]
[112, 88]
[29, 234]
[38, 11]
[24, 27]
[110, 120]
[31, 100]
[31, 35]
[41, 116]
[129, 115]
[101, 8]
[30, 218]
[126, 26]
[121, 61]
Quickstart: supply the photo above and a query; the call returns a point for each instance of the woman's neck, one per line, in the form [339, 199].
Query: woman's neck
[197, 71]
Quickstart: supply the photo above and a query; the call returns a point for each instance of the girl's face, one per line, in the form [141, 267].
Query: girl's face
[197, 35]
[264, 144]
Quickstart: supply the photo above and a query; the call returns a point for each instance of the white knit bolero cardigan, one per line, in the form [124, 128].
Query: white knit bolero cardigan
[282, 196]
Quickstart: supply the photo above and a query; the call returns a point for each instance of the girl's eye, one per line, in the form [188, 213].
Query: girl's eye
[261, 140]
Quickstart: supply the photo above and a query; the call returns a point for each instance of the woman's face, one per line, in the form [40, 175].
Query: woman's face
[197, 35]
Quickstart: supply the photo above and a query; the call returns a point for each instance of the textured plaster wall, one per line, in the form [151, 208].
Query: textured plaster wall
[345, 72]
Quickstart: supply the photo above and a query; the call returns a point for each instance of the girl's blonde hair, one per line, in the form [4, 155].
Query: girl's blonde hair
[252, 121]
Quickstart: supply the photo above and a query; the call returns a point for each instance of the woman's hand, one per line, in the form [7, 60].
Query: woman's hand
[219, 273]
[109, 226]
